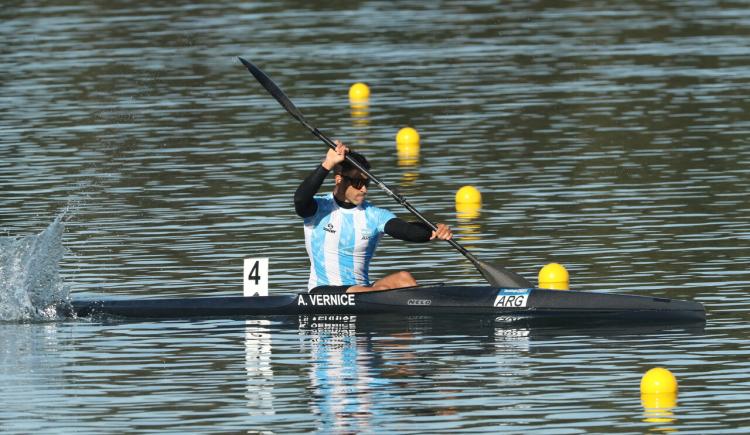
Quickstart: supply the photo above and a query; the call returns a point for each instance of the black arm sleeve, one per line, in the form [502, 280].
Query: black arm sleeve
[304, 203]
[409, 231]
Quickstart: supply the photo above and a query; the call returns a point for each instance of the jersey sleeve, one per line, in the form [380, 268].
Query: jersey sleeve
[408, 231]
[304, 203]
[383, 216]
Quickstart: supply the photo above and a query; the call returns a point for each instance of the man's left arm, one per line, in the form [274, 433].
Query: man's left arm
[416, 231]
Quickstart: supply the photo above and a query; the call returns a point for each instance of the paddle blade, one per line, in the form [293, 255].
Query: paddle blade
[500, 277]
[275, 91]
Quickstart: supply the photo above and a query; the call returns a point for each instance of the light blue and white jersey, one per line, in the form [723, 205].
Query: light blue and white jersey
[341, 242]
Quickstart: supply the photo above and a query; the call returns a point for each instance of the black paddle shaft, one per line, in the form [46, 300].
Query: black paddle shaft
[495, 275]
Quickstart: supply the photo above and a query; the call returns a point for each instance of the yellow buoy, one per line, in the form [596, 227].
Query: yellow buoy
[657, 408]
[406, 136]
[554, 276]
[468, 195]
[658, 381]
[359, 92]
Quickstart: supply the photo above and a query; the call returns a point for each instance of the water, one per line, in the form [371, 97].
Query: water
[609, 138]
[30, 284]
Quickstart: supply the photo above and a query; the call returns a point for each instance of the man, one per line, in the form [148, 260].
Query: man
[342, 230]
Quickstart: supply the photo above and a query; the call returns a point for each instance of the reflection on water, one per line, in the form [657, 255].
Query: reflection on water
[408, 157]
[360, 113]
[342, 388]
[609, 138]
[258, 358]
[658, 408]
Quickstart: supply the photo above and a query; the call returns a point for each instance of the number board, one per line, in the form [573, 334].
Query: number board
[255, 279]
[512, 298]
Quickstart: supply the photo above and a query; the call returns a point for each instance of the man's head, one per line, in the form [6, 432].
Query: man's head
[351, 183]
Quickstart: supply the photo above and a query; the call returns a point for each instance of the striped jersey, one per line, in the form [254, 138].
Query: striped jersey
[341, 242]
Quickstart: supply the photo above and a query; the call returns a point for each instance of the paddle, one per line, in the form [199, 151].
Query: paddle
[495, 275]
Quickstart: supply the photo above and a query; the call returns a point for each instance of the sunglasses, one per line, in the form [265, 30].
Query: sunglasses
[357, 183]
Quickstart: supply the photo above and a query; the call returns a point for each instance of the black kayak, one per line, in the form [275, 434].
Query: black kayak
[461, 300]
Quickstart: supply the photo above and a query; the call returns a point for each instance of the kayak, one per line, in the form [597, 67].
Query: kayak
[521, 303]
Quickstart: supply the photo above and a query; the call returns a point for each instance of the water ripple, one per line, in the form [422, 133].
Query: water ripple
[609, 138]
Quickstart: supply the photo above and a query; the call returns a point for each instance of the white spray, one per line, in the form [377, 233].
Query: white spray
[30, 285]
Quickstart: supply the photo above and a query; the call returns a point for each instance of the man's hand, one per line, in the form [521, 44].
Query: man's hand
[443, 232]
[334, 157]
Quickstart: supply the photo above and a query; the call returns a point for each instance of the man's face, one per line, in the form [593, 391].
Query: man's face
[353, 186]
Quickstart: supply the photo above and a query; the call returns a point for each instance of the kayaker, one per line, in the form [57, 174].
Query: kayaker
[342, 229]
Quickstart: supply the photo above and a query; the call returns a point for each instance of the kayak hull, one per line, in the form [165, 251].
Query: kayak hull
[479, 300]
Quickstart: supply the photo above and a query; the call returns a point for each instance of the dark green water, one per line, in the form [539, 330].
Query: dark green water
[610, 138]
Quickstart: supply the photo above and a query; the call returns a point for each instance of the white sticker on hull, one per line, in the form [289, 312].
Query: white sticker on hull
[326, 300]
[512, 298]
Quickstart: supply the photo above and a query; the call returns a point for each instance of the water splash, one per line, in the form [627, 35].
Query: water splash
[30, 285]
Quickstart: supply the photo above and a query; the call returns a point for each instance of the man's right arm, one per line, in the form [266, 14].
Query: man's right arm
[304, 196]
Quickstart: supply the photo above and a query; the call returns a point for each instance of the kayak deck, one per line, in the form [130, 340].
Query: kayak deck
[478, 300]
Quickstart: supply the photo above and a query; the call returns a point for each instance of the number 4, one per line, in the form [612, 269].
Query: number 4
[254, 272]
[255, 279]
